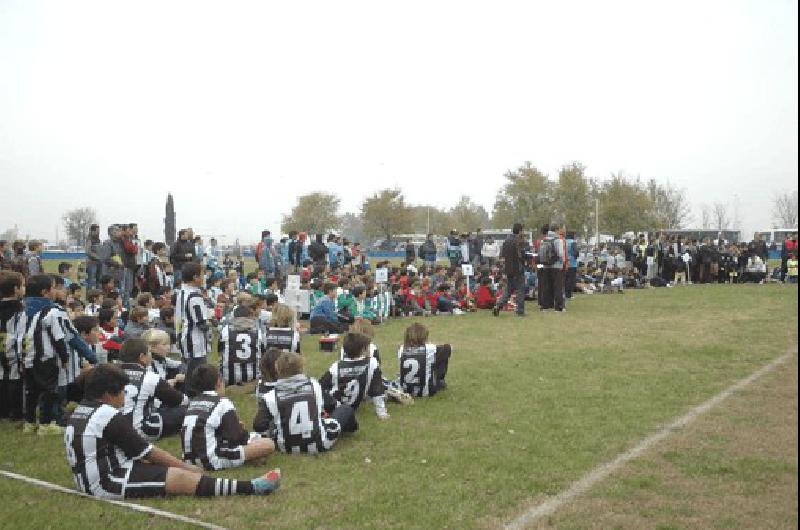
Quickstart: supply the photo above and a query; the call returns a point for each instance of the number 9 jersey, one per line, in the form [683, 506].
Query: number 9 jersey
[349, 381]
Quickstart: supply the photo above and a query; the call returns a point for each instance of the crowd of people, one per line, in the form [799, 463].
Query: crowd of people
[91, 354]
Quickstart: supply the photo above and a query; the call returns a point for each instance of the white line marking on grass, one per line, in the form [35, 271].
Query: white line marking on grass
[602, 471]
[129, 505]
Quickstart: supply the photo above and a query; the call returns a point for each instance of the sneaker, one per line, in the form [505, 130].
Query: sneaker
[457, 311]
[29, 428]
[50, 429]
[399, 396]
[496, 311]
[269, 482]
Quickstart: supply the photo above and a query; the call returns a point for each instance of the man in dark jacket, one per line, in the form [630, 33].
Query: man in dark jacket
[182, 252]
[514, 259]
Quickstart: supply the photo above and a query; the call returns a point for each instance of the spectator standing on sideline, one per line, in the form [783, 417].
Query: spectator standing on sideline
[453, 249]
[411, 252]
[572, 264]
[182, 253]
[93, 265]
[490, 251]
[476, 249]
[514, 261]
[428, 252]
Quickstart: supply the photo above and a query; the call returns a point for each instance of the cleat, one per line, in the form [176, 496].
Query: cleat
[399, 396]
[269, 482]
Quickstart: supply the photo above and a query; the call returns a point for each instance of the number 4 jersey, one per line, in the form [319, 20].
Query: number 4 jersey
[295, 410]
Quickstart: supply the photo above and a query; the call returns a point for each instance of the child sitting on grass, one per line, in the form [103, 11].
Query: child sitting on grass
[296, 409]
[212, 435]
[423, 366]
[356, 377]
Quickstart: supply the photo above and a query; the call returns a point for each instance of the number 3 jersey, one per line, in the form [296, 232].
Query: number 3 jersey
[294, 408]
[350, 381]
[241, 345]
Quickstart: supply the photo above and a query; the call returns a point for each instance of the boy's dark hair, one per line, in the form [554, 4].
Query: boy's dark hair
[205, 377]
[545, 229]
[75, 305]
[38, 284]
[138, 313]
[113, 295]
[251, 276]
[9, 280]
[105, 279]
[74, 288]
[85, 323]
[328, 287]
[158, 246]
[271, 299]
[148, 243]
[243, 311]
[269, 280]
[64, 267]
[191, 270]
[354, 344]
[167, 312]
[357, 290]
[105, 378]
[57, 280]
[105, 315]
[131, 349]
[143, 299]
[108, 303]
[443, 287]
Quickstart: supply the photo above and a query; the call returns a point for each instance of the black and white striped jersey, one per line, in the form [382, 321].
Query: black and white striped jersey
[164, 367]
[143, 388]
[284, 339]
[69, 370]
[240, 352]
[45, 338]
[101, 446]
[91, 310]
[211, 431]
[352, 380]
[416, 369]
[294, 407]
[13, 321]
[192, 323]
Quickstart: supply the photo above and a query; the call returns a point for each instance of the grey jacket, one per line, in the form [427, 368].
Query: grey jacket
[559, 246]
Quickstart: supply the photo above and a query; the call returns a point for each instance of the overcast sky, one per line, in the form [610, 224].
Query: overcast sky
[237, 108]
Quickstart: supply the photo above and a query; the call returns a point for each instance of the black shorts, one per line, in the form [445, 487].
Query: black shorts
[146, 480]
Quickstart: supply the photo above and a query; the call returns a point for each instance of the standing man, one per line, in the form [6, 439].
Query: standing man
[514, 257]
[93, 265]
[476, 249]
[454, 249]
[411, 252]
[572, 269]
[428, 252]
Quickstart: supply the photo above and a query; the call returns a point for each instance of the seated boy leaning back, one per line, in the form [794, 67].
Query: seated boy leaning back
[97, 429]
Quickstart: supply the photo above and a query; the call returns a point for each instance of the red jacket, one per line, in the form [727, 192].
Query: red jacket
[485, 299]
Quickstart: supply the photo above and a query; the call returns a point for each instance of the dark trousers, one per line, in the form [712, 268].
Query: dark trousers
[40, 387]
[557, 276]
[11, 399]
[171, 420]
[545, 288]
[570, 281]
[346, 416]
[319, 325]
[517, 284]
[191, 365]
[441, 361]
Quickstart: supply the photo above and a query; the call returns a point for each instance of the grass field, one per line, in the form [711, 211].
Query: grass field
[532, 405]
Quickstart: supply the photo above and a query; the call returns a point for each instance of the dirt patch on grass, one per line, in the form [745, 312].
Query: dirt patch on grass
[734, 468]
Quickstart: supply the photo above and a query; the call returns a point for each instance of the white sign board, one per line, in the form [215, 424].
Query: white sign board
[298, 299]
[382, 275]
[466, 269]
[293, 282]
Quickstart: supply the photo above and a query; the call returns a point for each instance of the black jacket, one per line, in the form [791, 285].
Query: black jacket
[513, 256]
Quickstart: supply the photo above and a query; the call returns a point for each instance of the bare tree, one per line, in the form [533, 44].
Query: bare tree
[77, 223]
[705, 217]
[720, 216]
[784, 212]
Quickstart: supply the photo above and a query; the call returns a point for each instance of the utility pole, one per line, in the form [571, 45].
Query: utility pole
[429, 221]
[597, 223]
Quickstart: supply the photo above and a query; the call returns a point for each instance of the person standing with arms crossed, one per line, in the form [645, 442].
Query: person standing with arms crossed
[513, 256]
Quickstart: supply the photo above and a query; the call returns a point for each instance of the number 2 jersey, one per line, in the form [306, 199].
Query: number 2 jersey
[241, 345]
[350, 381]
[294, 409]
[417, 374]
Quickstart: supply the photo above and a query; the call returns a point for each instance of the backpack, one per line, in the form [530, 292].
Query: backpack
[547, 253]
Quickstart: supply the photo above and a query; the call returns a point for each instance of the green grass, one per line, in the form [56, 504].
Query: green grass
[532, 404]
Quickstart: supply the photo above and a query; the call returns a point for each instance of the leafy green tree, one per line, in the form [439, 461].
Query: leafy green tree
[386, 213]
[431, 218]
[77, 223]
[527, 197]
[467, 216]
[671, 208]
[315, 213]
[574, 198]
[625, 205]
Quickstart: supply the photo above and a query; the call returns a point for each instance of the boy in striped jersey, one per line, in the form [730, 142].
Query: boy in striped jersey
[212, 435]
[240, 347]
[192, 321]
[12, 335]
[144, 387]
[45, 353]
[357, 376]
[109, 459]
[423, 366]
